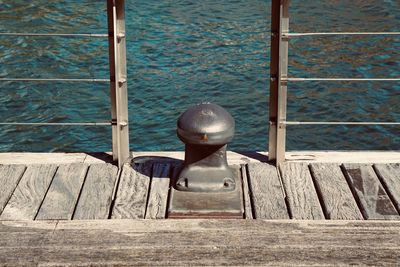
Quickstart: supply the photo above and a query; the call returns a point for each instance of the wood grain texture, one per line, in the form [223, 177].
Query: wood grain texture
[343, 156]
[23, 244]
[96, 195]
[28, 195]
[389, 174]
[201, 242]
[29, 158]
[248, 210]
[300, 192]
[9, 178]
[373, 201]
[336, 197]
[267, 192]
[63, 193]
[131, 198]
[158, 194]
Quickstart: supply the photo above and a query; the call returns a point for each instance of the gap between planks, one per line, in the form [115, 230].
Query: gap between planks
[390, 186]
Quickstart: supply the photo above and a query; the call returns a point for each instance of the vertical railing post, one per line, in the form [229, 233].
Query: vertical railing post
[118, 80]
[278, 84]
[274, 77]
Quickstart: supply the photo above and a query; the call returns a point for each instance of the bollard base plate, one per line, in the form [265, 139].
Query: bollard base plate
[213, 205]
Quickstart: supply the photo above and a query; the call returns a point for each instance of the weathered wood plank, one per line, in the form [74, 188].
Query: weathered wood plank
[95, 199]
[233, 157]
[248, 211]
[21, 242]
[373, 201]
[266, 192]
[158, 195]
[28, 195]
[389, 174]
[29, 158]
[63, 193]
[201, 242]
[336, 197]
[343, 156]
[293, 156]
[9, 178]
[300, 192]
[131, 198]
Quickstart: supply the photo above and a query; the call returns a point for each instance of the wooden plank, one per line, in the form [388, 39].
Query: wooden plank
[63, 193]
[343, 157]
[158, 195]
[336, 198]
[389, 174]
[96, 195]
[26, 158]
[201, 242]
[28, 196]
[266, 192]
[234, 157]
[248, 211]
[373, 201]
[9, 178]
[302, 199]
[131, 198]
[24, 241]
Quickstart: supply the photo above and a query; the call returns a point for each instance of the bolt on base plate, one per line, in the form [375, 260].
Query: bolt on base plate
[229, 205]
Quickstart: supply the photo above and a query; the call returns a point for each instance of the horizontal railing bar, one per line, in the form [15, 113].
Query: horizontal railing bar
[51, 80]
[337, 123]
[297, 34]
[95, 35]
[338, 79]
[56, 123]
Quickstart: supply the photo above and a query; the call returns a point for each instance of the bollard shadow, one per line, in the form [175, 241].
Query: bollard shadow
[157, 167]
[155, 159]
[254, 155]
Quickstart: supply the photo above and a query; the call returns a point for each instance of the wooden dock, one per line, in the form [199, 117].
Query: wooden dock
[308, 211]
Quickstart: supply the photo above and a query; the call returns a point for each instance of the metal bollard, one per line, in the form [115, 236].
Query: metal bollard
[206, 186]
[205, 129]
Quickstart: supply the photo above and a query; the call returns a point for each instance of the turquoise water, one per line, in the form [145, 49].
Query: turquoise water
[184, 52]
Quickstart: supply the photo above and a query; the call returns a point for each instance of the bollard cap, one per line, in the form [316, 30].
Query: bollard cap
[206, 124]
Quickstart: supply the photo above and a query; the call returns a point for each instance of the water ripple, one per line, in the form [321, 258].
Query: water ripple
[183, 52]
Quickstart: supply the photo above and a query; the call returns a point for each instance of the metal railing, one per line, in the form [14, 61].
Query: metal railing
[279, 79]
[118, 79]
